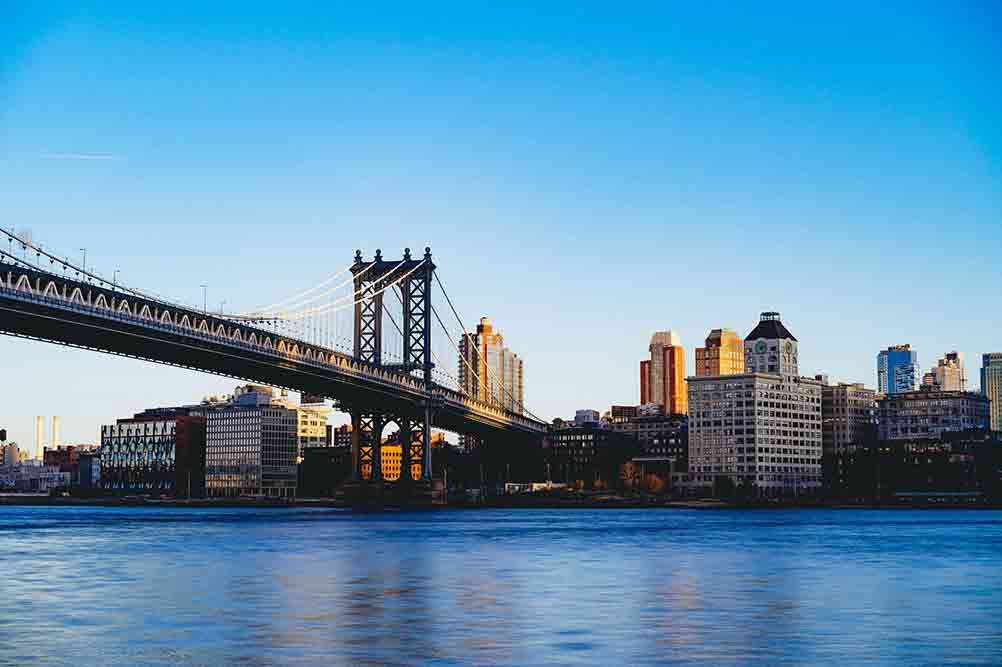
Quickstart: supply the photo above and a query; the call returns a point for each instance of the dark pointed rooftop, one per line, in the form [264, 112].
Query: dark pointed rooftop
[770, 326]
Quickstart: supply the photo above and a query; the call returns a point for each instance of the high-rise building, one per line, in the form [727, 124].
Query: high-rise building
[662, 377]
[991, 386]
[760, 429]
[897, 369]
[723, 354]
[488, 370]
[949, 373]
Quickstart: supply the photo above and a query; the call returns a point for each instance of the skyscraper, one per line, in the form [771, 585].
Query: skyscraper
[490, 371]
[723, 355]
[662, 378]
[897, 369]
[991, 386]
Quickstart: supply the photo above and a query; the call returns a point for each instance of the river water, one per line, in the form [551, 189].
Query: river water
[167, 586]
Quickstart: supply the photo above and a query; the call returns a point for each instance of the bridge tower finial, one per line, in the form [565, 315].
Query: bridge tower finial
[407, 253]
[358, 256]
[379, 255]
[427, 252]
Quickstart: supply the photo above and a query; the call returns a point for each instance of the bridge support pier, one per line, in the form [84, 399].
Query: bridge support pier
[374, 280]
[371, 485]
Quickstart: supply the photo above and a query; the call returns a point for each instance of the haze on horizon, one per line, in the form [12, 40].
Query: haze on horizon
[585, 174]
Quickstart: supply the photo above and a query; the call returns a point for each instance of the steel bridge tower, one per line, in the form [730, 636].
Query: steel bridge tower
[375, 281]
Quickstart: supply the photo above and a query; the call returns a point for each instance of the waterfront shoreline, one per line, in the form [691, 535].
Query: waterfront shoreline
[512, 503]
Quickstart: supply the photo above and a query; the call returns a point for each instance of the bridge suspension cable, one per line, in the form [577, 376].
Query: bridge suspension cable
[298, 298]
[340, 304]
[279, 313]
[439, 366]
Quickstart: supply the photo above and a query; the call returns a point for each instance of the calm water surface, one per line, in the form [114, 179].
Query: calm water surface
[525, 587]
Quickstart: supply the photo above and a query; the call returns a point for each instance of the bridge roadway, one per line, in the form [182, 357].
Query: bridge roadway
[48, 307]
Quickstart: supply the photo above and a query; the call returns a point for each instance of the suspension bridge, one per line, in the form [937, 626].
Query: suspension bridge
[339, 339]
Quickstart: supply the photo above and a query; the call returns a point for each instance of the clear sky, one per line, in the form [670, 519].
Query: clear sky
[586, 174]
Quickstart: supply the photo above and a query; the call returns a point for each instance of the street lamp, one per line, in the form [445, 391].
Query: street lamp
[84, 251]
[114, 279]
[203, 286]
[221, 304]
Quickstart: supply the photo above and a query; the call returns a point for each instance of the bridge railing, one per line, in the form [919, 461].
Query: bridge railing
[224, 332]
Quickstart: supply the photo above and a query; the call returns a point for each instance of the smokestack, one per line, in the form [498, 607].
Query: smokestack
[39, 437]
[55, 433]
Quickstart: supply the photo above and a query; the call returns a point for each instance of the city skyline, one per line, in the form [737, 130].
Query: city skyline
[571, 167]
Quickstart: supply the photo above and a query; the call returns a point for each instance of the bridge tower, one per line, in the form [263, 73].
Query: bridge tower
[375, 280]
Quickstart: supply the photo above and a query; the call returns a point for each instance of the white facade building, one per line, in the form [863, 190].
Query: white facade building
[760, 429]
[251, 446]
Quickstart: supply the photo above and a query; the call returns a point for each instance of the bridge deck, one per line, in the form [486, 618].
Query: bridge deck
[44, 306]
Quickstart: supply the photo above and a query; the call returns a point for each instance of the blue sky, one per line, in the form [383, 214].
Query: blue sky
[586, 174]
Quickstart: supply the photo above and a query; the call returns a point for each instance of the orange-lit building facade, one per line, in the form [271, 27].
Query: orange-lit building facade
[490, 371]
[391, 456]
[662, 378]
[723, 354]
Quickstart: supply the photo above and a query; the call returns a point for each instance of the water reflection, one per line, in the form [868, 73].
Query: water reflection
[171, 586]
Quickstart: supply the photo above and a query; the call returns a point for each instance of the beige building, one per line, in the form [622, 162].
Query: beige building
[10, 455]
[948, 374]
[760, 429]
[848, 419]
[723, 354]
[311, 424]
[756, 429]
